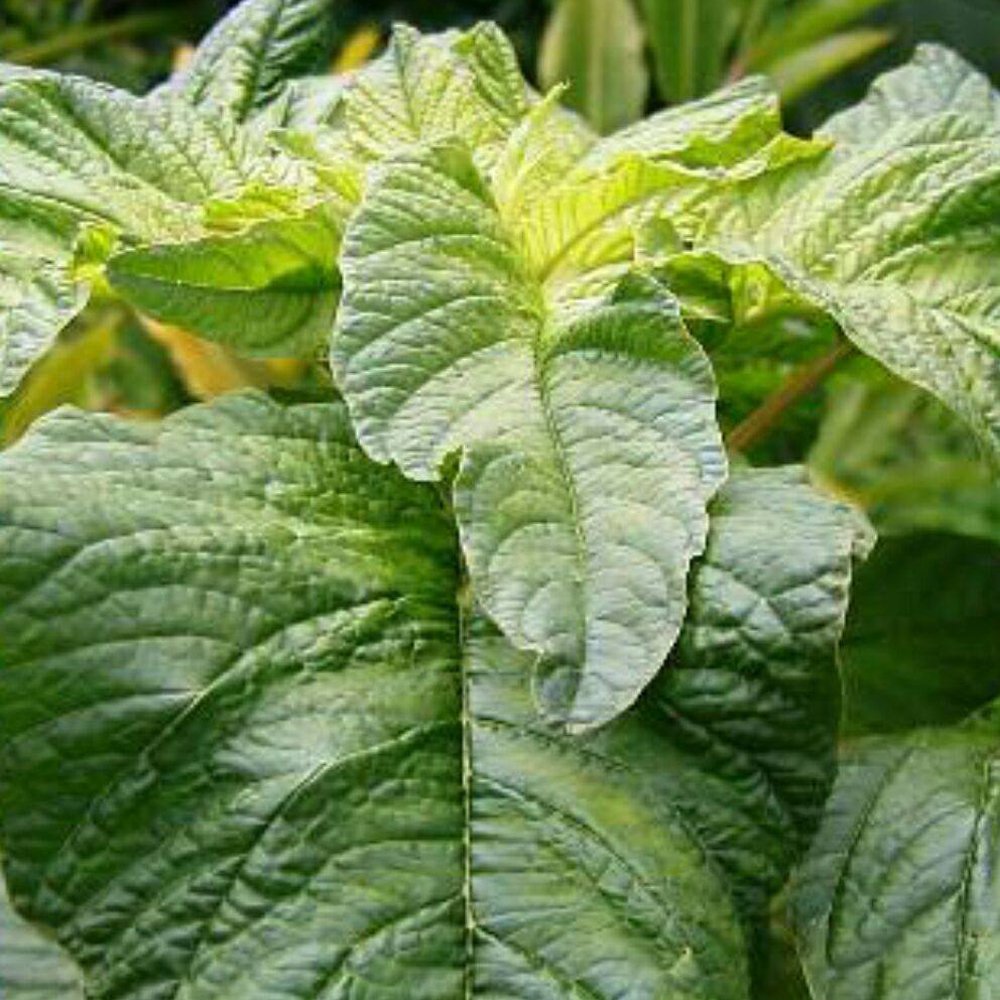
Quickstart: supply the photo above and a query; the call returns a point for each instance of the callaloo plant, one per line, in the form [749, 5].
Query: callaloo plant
[488, 674]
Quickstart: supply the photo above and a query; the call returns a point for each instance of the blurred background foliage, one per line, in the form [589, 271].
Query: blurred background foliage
[923, 638]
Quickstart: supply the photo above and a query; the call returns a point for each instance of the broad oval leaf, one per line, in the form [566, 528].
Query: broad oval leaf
[589, 446]
[252, 748]
[898, 897]
[894, 233]
[245, 61]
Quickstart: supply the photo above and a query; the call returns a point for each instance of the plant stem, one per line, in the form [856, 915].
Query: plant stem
[799, 384]
[51, 49]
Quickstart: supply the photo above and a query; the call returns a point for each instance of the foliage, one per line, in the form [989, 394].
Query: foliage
[489, 671]
[697, 46]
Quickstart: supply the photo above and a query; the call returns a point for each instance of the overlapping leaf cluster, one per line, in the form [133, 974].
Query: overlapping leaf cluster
[364, 697]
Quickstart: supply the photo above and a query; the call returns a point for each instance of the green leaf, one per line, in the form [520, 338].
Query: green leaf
[32, 967]
[588, 444]
[903, 457]
[71, 147]
[897, 900]
[243, 63]
[804, 24]
[689, 39]
[753, 682]
[723, 129]
[894, 234]
[305, 104]
[596, 47]
[77, 157]
[270, 289]
[37, 299]
[429, 87]
[797, 74]
[252, 748]
[923, 633]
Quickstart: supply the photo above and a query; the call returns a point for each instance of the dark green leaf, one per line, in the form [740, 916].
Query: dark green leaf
[898, 898]
[252, 749]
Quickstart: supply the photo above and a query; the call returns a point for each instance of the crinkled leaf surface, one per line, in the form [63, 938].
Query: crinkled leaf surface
[429, 87]
[589, 447]
[894, 233]
[245, 61]
[37, 299]
[72, 146]
[252, 750]
[32, 966]
[898, 897]
[77, 154]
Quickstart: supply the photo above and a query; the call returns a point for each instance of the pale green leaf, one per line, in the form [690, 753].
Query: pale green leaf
[270, 289]
[73, 147]
[895, 233]
[308, 103]
[689, 39]
[429, 87]
[596, 48]
[246, 59]
[32, 966]
[253, 750]
[898, 898]
[77, 157]
[588, 443]
[37, 299]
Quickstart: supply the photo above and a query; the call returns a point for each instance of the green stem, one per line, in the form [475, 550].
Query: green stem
[52, 49]
[800, 383]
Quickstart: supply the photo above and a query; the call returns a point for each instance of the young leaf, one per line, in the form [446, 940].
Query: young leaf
[270, 289]
[253, 749]
[721, 129]
[894, 233]
[897, 899]
[429, 87]
[245, 60]
[589, 445]
[596, 48]
[37, 299]
[32, 967]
